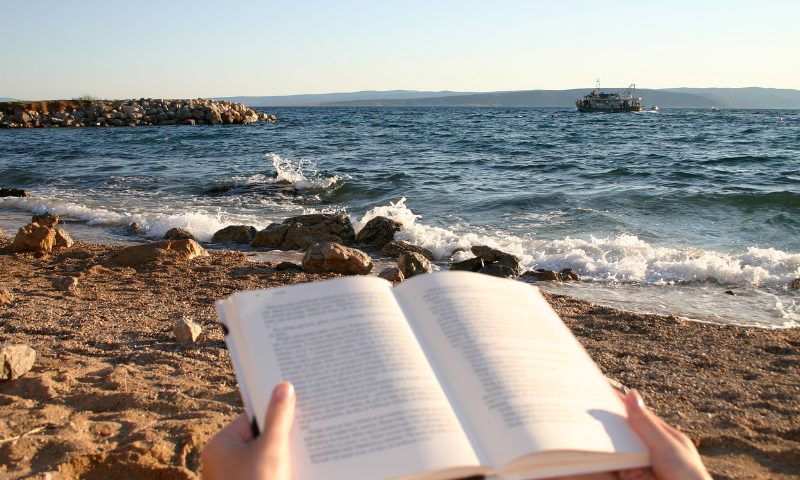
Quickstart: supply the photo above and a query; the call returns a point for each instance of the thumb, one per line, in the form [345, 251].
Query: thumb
[644, 423]
[273, 443]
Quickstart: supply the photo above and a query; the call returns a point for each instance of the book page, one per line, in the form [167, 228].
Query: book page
[368, 404]
[521, 379]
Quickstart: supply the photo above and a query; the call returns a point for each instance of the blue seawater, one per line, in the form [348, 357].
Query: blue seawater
[658, 212]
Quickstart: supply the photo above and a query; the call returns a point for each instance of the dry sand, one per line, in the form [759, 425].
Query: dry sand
[112, 395]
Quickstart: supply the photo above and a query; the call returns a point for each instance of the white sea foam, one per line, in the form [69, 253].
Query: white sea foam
[202, 223]
[302, 173]
[395, 211]
[623, 258]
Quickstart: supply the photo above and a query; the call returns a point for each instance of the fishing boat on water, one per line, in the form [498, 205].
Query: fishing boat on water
[598, 101]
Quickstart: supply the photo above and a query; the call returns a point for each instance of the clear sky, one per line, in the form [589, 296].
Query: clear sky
[189, 49]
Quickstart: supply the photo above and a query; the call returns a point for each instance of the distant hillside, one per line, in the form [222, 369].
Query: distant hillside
[279, 100]
[666, 98]
[6, 99]
[540, 98]
[752, 97]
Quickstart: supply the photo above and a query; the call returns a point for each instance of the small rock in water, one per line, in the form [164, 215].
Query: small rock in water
[135, 229]
[378, 231]
[178, 234]
[65, 284]
[15, 361]
[795, 284]
[13, 192]
[186, 331]
[541, 274]
[569, 275]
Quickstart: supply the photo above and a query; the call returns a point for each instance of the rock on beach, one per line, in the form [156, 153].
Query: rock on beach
[15, 361]
[335, 258]
[176, 251]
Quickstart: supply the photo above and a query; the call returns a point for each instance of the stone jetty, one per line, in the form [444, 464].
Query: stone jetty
[120, 113]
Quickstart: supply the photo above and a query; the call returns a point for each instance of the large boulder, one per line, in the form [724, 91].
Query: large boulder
[235, 234]
[176, 251]
[412, 263]
[34, 238]
[378, 231]
[15, 360]
[299, 233]
[394, 249]
[335, 258]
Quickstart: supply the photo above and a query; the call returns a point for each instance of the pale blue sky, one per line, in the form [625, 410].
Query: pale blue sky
[182, 49]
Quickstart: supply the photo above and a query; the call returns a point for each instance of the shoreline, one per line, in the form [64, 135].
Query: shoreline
[115, 392]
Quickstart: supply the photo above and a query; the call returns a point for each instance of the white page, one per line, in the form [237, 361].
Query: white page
[520, 377]
[368, 404]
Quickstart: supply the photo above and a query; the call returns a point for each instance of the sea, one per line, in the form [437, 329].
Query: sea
[692, 213]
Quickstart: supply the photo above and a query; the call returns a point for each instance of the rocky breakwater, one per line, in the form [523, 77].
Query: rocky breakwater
[119, 113]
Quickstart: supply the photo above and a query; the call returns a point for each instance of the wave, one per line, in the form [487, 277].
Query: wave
[620, 259]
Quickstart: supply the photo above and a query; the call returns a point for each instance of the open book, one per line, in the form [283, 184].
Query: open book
[447, 375]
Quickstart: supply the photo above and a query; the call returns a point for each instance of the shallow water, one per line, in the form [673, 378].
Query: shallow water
[661, 212]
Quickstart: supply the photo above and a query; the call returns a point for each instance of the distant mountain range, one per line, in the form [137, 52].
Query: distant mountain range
[753, 97]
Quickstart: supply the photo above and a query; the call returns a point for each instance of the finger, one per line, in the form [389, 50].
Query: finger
[659, 422]
[647, 425]
[280, 416]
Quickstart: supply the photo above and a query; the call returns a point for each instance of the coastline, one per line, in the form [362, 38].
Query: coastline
[115, 391]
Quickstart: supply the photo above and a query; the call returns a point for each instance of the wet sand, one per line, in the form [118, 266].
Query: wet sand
[112, 393]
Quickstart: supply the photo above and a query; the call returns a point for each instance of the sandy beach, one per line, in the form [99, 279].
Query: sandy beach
[113, 395]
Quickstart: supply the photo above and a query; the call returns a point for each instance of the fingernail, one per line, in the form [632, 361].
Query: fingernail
[283, 391]
[636, 399]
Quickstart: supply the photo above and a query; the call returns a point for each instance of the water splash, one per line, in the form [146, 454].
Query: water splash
[301, 173]
[395, 211]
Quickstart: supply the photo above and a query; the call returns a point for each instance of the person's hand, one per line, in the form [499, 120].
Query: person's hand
[233, 453]
[672, 454]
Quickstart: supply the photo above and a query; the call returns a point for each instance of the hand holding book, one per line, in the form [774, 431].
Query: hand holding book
[448, 375]
[233, 454]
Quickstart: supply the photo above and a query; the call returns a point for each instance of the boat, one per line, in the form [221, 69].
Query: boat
[598, 101]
